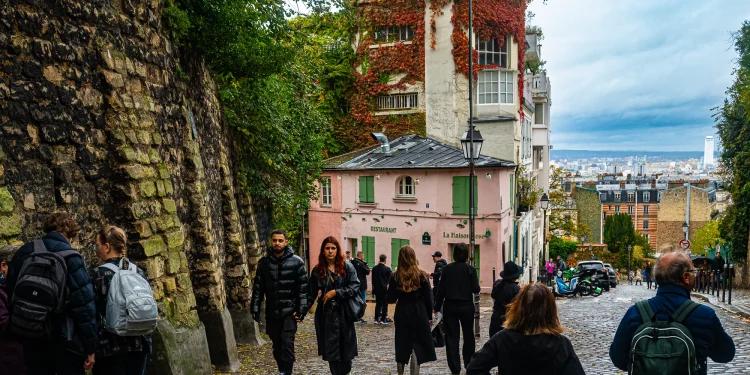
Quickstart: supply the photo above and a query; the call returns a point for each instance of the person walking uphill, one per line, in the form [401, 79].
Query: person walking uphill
[675, 275]
[440, 263]
[54, 342]
[281, 279]
[459, 283]
[503, 293]
[116, 355]
[334, 281]
[531, 343]
[409, 289]
[11, 352]
[381, 275]
[362, 271]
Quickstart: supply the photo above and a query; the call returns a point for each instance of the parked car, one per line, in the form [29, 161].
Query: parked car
[602, 274]
[612, 275]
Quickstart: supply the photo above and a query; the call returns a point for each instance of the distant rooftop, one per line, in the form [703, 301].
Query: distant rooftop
[410, 152]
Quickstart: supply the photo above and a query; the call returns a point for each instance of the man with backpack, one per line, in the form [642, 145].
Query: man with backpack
[362, 271]
[678, 334]
[52, 302]
[281, 280]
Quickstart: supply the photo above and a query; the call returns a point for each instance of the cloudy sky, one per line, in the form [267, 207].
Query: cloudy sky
[637, 75]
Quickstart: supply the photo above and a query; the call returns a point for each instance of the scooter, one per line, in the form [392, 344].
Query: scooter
[579, 284]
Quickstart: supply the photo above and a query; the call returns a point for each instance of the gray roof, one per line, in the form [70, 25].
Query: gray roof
[410, 152]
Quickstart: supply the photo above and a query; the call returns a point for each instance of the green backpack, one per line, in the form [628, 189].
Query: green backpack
[663, 347]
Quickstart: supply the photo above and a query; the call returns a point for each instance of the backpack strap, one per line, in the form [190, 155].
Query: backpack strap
[684, 311]
[110, 267]
[647, 314]
[39, 246]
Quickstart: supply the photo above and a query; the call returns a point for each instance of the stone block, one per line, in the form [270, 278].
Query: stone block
[144, 137]
[170, 285]
[128, 154]
[160, 189]
[156, 138]
[246, 330]
[10, 226]
[148, 189]
[52, 74]
[131, 135]
[169, 205]
[168, 186]
[28, 201]
[157, 288]
[114, 79]
[7, 203]
[173, 262]
[154, 267]
[142, 228]
[143, 157]
[153, 246]
[163, 171]
[221, 343]
[184, 283]
[175, 239]
[154, 156]
[179, 351]
[183, 263]
[135, 171]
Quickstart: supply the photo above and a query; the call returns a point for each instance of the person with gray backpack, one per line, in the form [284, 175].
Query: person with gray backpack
[669, 334]
[125, 308]
[52, 302]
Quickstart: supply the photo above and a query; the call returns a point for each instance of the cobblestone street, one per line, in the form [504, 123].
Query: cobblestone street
[589, 322]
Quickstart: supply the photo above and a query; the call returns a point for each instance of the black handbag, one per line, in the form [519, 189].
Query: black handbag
[354, 308]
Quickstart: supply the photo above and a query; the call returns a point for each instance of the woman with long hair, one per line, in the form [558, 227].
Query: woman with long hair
[409, 288]
[334, 281]
[532, 341]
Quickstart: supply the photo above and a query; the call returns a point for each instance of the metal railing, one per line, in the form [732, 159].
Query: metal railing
[717, 283]
[398, 101]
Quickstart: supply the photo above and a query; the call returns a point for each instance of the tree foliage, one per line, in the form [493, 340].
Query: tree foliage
[619, 232]
[561, 247]
[706, 236]
[733, 122]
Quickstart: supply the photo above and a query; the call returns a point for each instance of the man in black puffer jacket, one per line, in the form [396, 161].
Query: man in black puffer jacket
[281, 279]
[72, 345]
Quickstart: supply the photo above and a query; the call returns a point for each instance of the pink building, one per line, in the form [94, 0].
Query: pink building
[414, 191]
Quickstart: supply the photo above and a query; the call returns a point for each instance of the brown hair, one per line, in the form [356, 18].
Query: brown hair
[61, 222]
[113, 236]
[408, 273]
[7, 252]
[339, 267]
[533, 311]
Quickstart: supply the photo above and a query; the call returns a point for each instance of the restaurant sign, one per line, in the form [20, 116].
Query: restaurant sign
[383, 229]
[462, 235]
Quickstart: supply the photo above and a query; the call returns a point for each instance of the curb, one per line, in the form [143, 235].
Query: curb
[745, 313]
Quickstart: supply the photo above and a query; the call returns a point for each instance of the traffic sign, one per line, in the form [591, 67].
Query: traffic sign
[685, 244]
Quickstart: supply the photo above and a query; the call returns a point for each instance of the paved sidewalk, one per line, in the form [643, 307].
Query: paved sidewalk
[740, 301]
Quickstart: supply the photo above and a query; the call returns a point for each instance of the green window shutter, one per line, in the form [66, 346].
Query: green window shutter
[362, 189]
[369, 243]
[371, 189]
[460, 195]
[395, 246]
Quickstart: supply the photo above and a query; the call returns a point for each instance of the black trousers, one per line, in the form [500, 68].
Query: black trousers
[44, 357]
[340, 368]
[381, 306]
[133, 363]
[453, 316]
[281, 332]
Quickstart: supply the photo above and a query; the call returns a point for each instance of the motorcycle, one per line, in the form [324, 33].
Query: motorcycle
[579, 283]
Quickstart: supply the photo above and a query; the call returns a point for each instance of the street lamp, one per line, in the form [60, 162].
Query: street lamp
[471, 143]
[630, 253]
[544, 203]
[685, 229]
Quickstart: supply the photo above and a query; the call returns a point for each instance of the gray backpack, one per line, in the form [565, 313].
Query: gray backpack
[663, 347]
[131, 307]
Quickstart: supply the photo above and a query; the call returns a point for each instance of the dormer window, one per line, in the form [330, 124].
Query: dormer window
[646, 196]
[617, 197]
[406, 187]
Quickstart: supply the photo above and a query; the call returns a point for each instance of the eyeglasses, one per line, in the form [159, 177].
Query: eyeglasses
[693, 271]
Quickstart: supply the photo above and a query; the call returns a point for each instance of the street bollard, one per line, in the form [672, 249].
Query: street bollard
[731, 281]
[494, 277]
[724, 283]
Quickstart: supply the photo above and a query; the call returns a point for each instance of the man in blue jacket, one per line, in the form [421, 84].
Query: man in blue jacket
[676, 274]
[71, 347]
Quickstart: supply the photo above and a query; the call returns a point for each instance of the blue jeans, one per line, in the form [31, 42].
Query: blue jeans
[363, 294]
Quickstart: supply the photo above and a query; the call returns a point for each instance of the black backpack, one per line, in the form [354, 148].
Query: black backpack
[40, 291]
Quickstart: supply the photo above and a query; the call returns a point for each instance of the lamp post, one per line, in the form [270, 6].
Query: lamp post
[544, 203]
[471, 143]
[630, 257]
[685, 229]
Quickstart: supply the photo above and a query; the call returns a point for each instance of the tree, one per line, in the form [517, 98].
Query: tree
[706, 236]
[619, 232]
[558, 246]
[732, 123]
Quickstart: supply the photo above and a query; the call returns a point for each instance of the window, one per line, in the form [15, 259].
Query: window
[366, 189]
[645, 224]
[396, 245]
[617, 209]
[539, 113]
[506, 87]
[406, 187]
[325, 190]
[630, 210]
[646, 196]
[617, 197]
[461, 195]
[603, 196]
[630, 197]
[398, 101]
[368, 248]
[645, 209]
[487, 87]
[392, 34]
[492, 53]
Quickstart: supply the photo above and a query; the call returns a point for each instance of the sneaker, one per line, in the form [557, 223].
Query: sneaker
[363, 321]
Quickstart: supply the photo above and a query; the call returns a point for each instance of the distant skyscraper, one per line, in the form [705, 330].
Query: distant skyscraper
[708, 152]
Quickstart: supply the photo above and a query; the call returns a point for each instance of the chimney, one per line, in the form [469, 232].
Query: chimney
[384, 145]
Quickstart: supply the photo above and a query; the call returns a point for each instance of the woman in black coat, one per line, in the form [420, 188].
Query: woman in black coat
[410, 290]
[333, 281]
[503, 292]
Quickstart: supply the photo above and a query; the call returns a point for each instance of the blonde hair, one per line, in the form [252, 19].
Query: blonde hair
[408, 273]
[115, 237]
